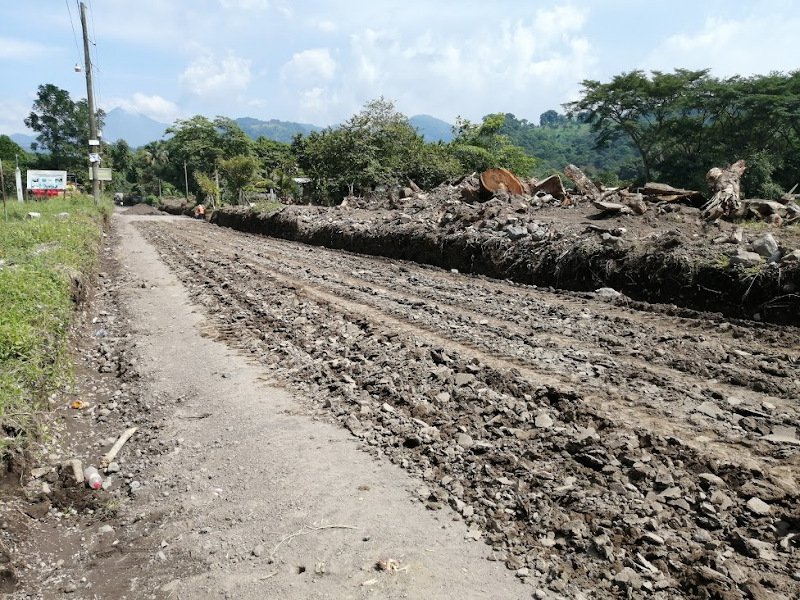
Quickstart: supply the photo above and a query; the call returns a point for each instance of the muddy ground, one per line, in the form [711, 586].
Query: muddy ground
[666, 255]
[589, 445]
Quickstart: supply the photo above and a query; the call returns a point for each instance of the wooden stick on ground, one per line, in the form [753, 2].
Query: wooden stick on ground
[112, 454]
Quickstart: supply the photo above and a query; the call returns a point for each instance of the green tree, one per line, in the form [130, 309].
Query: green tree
[10, 153]
[638, 107]
[481, 147]
[121, 159]
[201, 144]
[375, 147]
[238, 172]
[62, 126]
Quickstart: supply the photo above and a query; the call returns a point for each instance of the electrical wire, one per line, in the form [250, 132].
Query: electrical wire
[96, 60]
[74, 34]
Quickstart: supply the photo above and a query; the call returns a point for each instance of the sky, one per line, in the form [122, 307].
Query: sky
[320, 61]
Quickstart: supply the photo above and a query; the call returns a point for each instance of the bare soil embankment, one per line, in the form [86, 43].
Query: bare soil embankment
[666, 256]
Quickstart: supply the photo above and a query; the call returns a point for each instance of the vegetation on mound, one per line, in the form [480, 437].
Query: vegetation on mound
[44, 263]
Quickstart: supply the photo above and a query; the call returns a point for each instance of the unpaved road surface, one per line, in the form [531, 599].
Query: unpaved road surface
[594, 448]
[444, 436]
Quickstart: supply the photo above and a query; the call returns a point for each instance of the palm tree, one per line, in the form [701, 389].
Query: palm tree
[156, 155]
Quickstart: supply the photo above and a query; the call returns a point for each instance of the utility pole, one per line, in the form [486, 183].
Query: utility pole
[186, 180]
[3, 185]
[94, 141]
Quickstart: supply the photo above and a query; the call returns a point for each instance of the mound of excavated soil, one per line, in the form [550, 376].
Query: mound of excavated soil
[668, 255]
[144, 209]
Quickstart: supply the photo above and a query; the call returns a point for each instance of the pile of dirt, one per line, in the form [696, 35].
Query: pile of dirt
[658, 251]
[144, 209]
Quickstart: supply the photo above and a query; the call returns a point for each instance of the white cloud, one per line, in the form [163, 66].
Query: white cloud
[155, 107]
[327, 26]
[721, 45]
[209, 76]
[523, 64]
[310, 66]
[245, 4]
[16, 49]
[12, 117]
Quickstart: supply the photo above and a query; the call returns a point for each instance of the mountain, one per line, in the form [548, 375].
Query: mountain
[278, 131]
[432, 129]
[134, 128]
[23, 140]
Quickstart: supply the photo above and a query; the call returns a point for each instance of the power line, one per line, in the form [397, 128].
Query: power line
[96, 62]
[72, 24]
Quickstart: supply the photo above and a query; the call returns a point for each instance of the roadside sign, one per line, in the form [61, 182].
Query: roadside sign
[103, 174]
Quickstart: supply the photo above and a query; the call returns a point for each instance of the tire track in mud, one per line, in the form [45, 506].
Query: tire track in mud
[557, 489]
[645, 392]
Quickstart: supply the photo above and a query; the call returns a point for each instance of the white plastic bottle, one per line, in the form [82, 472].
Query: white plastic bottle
[92, 478]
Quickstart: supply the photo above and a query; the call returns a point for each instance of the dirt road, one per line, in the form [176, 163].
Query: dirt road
[587, 449]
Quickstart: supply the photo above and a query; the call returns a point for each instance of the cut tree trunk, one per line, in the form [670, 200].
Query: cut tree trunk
[725, 182]
[500, 180]
[582, 182]
[551, 185]
[661, 192]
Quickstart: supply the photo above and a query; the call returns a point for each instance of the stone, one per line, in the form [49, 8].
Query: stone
[759, 507]
[543, 420]
[105, 529]
[765, 246]
[607, 292]
[791, 257]
[463, 440]
[745, 259]
[712, 480]
[653, 539]
[36, 215]
[515, 232]
[710, 409]
[258, 550]
[462, 379]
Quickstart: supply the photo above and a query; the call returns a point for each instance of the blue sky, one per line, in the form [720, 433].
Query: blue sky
[319, 61]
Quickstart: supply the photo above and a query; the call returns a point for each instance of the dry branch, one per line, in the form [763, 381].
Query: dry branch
[112, 454]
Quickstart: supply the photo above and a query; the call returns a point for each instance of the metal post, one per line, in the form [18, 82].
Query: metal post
[90, 99]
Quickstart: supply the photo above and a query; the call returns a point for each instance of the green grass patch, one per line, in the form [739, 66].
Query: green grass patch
[266, 207]
[39, 261]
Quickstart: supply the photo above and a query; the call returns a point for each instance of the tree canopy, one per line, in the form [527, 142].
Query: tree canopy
[684, 122]
[62, 126]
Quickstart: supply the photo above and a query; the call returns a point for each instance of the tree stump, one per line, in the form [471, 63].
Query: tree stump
[725, 182]
[498, 180]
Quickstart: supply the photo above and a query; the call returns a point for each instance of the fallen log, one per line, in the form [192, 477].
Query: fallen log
[582, 182]
[661, 192]
[551, 185]
[612, 207]
[726, 199]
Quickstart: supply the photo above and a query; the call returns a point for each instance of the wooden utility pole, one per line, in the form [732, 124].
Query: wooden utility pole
[186, 180]
[3, 186]
[94, 141]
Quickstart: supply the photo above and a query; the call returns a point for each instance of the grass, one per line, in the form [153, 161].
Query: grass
[39, 259]
[266, 207]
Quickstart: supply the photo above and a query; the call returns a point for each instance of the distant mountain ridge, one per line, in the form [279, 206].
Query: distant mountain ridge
[134, 128]
[23, 140]
[138, 130]
[278, 131]
[432, 129]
